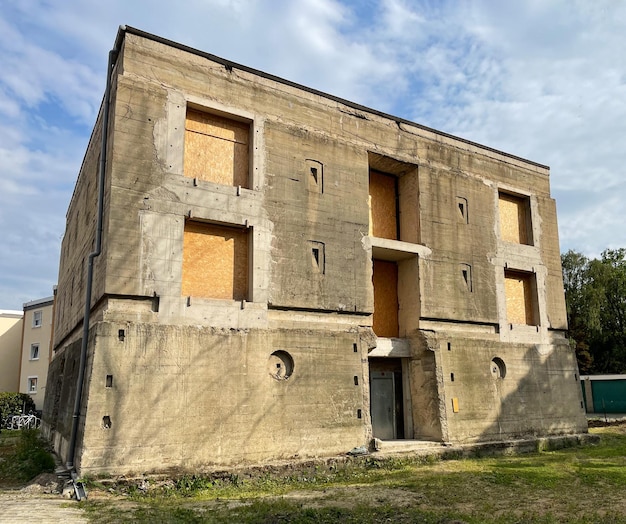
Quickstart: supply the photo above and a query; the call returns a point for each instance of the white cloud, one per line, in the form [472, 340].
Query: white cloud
[543, 79]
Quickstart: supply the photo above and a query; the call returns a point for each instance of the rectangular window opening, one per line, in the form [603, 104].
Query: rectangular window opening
[215, 261]
[37, 318]
[393, 199]
[383, 197]
[521, 298]
[515, 218]
[385, 281]
[34, 351]
[217, 148]
[32, 384]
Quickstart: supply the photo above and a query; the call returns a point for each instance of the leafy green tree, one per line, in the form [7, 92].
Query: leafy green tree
[14, 404]
[595, 293]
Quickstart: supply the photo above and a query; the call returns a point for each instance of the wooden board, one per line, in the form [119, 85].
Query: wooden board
[216, 149]
[385, 280]
[383, 206]
[215, 261]
[514, 225]
[520, 302]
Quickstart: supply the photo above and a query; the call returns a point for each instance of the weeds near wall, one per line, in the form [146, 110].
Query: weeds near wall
[23, 456]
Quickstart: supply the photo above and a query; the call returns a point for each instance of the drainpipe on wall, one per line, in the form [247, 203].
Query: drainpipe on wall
[89, 284]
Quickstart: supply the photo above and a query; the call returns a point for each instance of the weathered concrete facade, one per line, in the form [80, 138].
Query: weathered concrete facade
[286, 274]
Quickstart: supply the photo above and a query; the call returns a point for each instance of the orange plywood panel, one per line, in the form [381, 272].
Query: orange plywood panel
[513, 218]
[385, 280]
[383, 205]
[216, 149]
[520, 300]
[215, 261]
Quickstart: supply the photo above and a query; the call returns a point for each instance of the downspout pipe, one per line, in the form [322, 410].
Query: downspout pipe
[95, 253]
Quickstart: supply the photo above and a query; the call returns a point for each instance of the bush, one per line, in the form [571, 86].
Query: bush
[23, 456]
[14, 404]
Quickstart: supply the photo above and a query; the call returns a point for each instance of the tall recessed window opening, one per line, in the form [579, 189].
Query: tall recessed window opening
[521, 298]
[383, 195]
[515, 219]
[385, 280]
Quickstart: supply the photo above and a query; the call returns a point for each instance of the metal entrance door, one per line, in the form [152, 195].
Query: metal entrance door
[382, 398]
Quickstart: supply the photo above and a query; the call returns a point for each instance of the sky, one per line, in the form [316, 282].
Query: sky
[540, 79]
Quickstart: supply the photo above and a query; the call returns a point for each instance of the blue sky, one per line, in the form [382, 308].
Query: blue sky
[541, 79]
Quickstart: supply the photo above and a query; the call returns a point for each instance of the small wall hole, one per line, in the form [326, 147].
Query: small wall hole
[316, 255]
[121, 335]
[106, 422]
[575, 376]
[355, 348]
[356, 380]
[449, 346]
[109, 381]
[451, 377]
[498, 368]
[359, 413]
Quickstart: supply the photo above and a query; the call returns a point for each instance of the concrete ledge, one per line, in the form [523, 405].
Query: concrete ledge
[422, 448]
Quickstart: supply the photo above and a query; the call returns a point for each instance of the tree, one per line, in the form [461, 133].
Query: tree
[595, 294]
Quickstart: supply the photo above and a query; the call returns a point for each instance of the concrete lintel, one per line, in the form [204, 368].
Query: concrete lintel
[394, 250]
[391, 347]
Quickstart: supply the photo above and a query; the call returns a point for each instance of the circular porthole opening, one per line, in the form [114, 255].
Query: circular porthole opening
[280, 365]
[498, 368]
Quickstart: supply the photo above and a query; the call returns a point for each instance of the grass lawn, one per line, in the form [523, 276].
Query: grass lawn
[584, 484]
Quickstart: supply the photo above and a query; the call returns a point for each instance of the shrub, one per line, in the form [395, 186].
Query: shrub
[24, 456]
[14, 404]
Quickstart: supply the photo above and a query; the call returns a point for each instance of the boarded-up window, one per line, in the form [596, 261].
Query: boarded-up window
[521, 299]
[216, 149]
[383, 193]
[215, 261]
[385, 280]
[515, 223]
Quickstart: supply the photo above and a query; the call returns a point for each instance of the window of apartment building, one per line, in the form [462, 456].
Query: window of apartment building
[37, 319]
[32, 384]
[34, 351]
[215, 261]
[216, 148]
[515, 219]
[521, 297]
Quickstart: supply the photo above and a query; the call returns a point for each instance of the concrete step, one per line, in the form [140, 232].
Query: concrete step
[405, 446]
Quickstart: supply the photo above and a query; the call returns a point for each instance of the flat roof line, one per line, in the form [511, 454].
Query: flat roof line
[234, 65]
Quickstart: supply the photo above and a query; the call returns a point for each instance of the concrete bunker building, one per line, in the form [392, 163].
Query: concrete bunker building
[284, 273]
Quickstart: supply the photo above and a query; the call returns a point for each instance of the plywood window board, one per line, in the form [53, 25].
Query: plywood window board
[385, 280]
[520, 291]
[514, 218]
[383, 193]
[216, 149]
[215, 261]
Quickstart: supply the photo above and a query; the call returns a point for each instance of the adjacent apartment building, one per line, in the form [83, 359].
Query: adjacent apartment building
[36, 348]
[284, 273]
[10, 338]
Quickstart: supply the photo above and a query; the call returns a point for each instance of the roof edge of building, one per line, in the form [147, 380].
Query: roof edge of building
[38, 302]
[234, 65]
